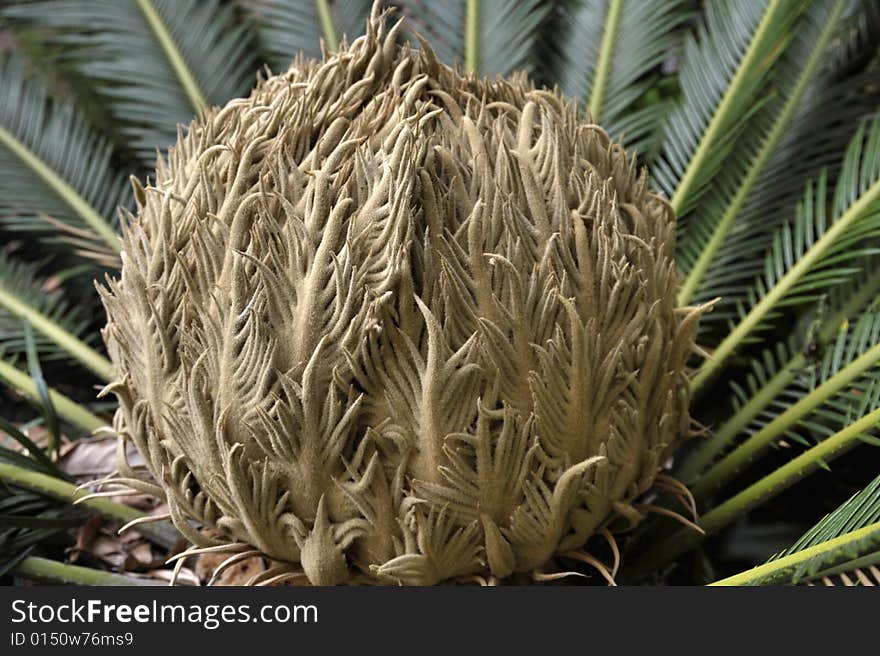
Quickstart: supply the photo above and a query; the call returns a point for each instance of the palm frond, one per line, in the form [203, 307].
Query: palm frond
[819, 398]
[67, 409]
[156, 63]
[608, 54]
[491, 37]
[156, 529]
[350, 17]
[784, 373]
[288, 27]
[56, 173]
[842, 541]
[855, 426]
[35, 457]
[785, 129]
[507, 35]
[28, 518]
[817, 250]
[442, 23]
[739, 259]
[63, 329]
[47, 408]
[725, 66]
[36, 500]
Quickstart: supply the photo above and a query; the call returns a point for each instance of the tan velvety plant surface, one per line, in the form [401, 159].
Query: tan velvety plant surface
[383, 322]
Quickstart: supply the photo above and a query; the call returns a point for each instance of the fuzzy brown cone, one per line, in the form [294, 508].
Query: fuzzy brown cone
[383, 322]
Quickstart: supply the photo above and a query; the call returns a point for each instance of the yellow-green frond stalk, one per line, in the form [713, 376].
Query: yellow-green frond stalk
[387, 323]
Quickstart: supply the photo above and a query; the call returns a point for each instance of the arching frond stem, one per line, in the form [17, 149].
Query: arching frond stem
[713, 132]
[606, 54]
[756, 494]
[769, 301]
[78, 349]
[701, 266]
[472, 36]
[175, 58]
[841, 544]
[723, 437]
[850, 564]
[328, 27]
[162, 534]
[67, 409]
[43, 569]
[748, 450]
[68, 194]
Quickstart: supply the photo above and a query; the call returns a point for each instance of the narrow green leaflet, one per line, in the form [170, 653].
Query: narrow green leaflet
[68, 410]
[821, 135]
[62, 330]
[27, 520]
[160, 532]
[826, 392]
[854, 426]
[507, 34]
[445, 21]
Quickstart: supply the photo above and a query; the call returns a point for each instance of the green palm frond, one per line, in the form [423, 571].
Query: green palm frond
[59, 488]
[28, 519]
[758, 175]
[56, 173]
[855, 417]
[783, 373]
[817, 250]
[443, 23]
[505, 37]
[349, 17]
[865, 30]
[22, 289]
[36, 498]
[821, 135]
[62, 330]
[843, 541]
[739, 259]
[289, 27]
[47, 408]
[492, 37]
[35, 457]
[725, 67]
[156, 63]
[68, 410]
[862, 575]
[818, 398]
[608, 53]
